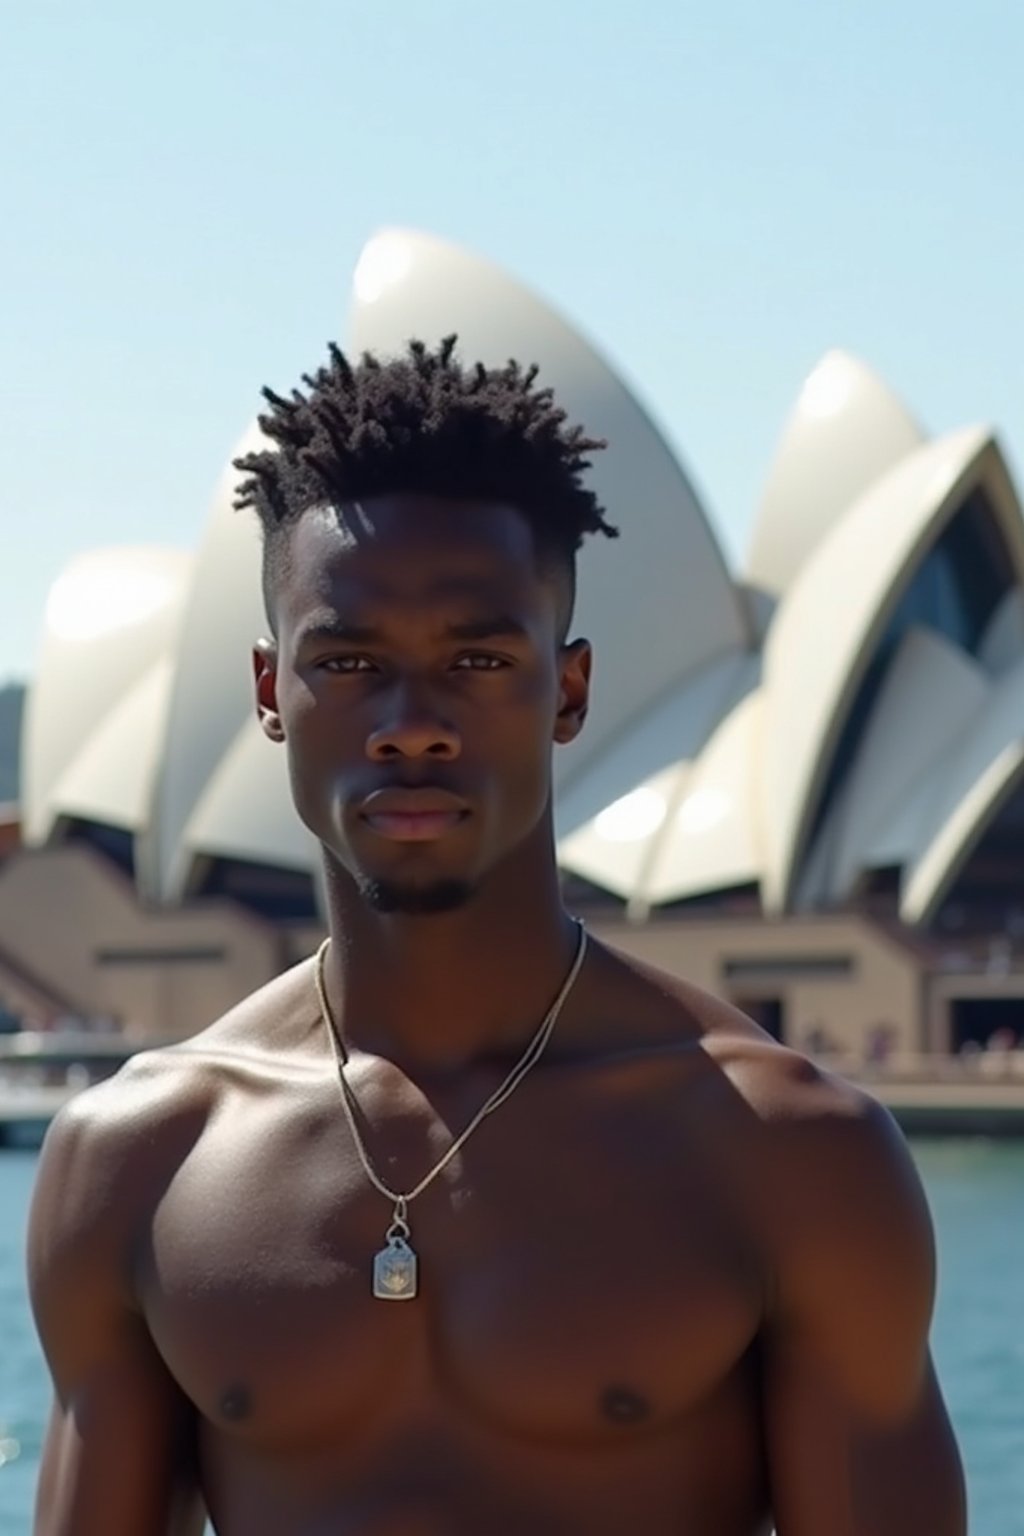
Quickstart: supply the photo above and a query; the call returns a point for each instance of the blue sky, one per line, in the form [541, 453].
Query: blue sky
[717, 194]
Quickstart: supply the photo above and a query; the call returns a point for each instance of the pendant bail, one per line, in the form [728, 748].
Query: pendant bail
[399, 1227]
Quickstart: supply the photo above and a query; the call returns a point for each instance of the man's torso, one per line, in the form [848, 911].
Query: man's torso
[583, 1351]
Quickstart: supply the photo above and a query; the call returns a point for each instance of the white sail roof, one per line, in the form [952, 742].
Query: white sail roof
[824, 635]
[212, 695]
[846, 430]
[91, 744]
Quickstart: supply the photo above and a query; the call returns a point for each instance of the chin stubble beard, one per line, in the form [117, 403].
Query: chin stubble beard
[416, 900]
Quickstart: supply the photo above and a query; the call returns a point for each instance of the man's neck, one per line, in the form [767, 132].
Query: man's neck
[436, 993]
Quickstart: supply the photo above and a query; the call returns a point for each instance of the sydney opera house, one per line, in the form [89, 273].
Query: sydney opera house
[801, 784]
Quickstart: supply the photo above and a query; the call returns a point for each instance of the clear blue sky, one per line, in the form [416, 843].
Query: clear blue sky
[717, 193]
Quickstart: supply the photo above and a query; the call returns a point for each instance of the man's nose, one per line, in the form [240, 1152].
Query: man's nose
[413, 728]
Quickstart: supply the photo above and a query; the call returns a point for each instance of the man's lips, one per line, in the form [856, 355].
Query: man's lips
[412, 815]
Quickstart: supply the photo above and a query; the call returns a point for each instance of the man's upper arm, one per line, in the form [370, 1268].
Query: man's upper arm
[859, 1442]
[119, 1454]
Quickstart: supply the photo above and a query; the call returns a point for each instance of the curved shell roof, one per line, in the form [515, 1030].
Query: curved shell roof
[1003, 641]
[211, 696]
[847, 591]
[245, 809]
[711, 839]
[654, 835]
[846, 429]
[966, 793]
[92, 730]
[877, 822]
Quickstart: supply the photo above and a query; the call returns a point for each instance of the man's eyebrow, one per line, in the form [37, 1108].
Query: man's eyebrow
[493, 627]
[337, 629]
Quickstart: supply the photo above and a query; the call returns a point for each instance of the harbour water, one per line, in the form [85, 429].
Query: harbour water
[976, 1189]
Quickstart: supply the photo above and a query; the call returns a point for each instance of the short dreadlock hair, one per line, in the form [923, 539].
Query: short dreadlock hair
[422, 424]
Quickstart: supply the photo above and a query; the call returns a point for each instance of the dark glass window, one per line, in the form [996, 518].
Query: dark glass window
[282, 895]
[987, 895]
[961, 581]
[956, 591]
[732, 900]
[195, 954]
[115, 843]
[791, 966]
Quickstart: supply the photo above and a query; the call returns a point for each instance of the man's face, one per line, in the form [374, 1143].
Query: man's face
[419, 681]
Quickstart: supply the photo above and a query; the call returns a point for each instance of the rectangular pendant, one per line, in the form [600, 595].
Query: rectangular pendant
[394, 1271]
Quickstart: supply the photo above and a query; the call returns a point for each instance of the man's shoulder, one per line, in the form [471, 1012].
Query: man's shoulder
[103, 1159]
[811, 1129]
[804, 1136]
[825, 1170]
[780, 1086]
[114, 1142]
[826, 1179]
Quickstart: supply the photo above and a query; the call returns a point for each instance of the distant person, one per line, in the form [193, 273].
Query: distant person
[818, 1041]
[880, 1045]
[1001, 1040]
[470, 1225]
[999, 1050]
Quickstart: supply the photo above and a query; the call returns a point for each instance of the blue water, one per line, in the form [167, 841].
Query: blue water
[976, 1191]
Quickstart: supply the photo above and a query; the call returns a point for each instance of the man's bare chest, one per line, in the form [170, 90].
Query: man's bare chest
[577, 1274]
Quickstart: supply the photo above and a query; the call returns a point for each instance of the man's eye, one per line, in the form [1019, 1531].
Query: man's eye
[480, 661]
[346, 664]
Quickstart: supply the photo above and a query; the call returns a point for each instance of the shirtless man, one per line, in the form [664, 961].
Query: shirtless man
[678, 1281]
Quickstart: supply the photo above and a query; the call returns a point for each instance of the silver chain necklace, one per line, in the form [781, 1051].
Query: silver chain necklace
[395, 1267]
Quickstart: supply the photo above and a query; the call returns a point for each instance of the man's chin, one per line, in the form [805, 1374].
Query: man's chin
[396, 898]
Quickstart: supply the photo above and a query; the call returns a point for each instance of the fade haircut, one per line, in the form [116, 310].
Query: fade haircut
[422, 424]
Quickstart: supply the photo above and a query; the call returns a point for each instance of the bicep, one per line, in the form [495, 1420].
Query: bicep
[119, 1457]
[838, 1470]
[858, 1439]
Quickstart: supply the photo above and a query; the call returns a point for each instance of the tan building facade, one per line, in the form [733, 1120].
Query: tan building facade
[817, 983]
[75, 942]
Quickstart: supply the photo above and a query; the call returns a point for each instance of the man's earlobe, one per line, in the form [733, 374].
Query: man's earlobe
[574, 691]
[264, 671]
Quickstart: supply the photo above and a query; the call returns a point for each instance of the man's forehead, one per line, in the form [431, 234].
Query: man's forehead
[426, 522]
[358, 593]
[343, 561]
[419, 558]
[393, 551]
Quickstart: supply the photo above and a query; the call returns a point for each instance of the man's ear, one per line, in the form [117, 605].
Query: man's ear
[264, 671]
[573, 690]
